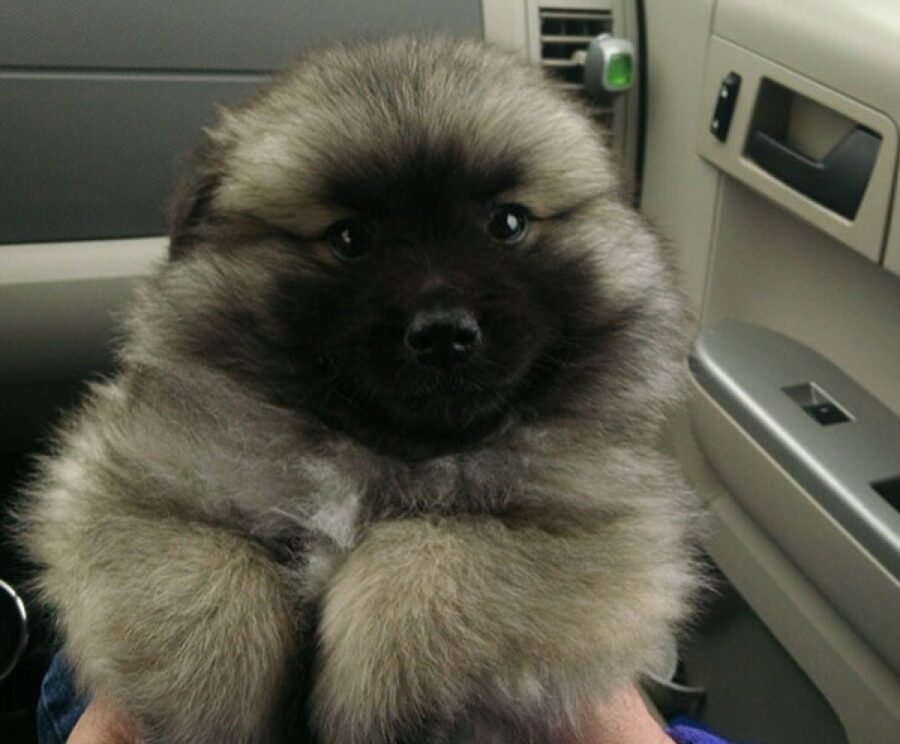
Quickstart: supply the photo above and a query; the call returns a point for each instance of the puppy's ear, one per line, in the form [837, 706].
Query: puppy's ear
[191, 204]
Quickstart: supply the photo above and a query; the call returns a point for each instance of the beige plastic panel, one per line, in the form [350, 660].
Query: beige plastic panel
[892, 254]
[866, 233]
[505, 23]
[57, 302]
[59, 305]
[775, 270]
[678, 193]
[848, 45]
[852, 47]
[751, 254]
[856, 583]
[861, 688]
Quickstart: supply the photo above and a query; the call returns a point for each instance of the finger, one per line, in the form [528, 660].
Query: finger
[625, 720]
[102, 723]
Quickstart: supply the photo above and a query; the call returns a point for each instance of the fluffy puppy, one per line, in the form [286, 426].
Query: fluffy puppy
[395, 396]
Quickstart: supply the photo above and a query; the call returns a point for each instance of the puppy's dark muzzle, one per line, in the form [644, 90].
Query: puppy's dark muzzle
[443, 338]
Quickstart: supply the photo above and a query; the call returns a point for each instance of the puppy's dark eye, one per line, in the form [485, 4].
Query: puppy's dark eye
[349, 239]
[508, 223]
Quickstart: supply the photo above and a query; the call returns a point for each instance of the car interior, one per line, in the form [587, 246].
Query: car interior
[758, 137]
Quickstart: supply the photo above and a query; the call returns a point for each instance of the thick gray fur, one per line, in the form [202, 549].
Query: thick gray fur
[186, 525]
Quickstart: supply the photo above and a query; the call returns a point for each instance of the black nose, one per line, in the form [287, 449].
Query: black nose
[443, 337]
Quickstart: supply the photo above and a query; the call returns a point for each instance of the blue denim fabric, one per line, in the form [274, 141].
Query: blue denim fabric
[59, 707]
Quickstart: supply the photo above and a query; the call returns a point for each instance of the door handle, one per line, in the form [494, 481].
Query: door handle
[837, 182]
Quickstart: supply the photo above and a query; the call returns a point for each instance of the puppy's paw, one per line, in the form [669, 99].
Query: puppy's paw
[445, 624]
[395, 661]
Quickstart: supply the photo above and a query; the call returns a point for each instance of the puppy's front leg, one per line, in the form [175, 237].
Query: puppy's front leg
[435, 628]
[188, 627]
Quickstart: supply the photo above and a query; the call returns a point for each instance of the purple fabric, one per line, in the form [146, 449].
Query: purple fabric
[59, 708]
[682, 733]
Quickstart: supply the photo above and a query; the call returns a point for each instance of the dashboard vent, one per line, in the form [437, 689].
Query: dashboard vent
[565, 33]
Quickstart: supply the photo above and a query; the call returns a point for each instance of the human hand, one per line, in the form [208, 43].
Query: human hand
[625, 720]
[622, 720]
[103, 723]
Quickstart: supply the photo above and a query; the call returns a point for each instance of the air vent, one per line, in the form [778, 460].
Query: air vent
[565, 33]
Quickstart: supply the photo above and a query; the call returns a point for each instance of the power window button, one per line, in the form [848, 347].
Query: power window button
[826, 413]
[724, 109]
